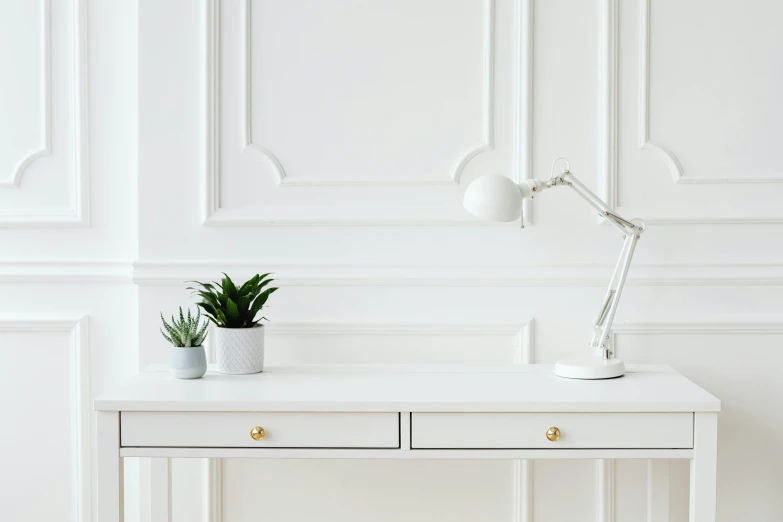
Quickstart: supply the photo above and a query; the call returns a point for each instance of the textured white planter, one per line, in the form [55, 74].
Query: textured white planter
[188, 363]
[239, 350]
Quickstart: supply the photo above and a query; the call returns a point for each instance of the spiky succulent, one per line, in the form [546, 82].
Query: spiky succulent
[185, 331]
[229, 306]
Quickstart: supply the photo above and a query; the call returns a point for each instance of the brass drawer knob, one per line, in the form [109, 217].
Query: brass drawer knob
[257, 433]
[553, 434]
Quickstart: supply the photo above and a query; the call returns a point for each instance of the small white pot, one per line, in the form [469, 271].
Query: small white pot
[188, 363]
[239, 350]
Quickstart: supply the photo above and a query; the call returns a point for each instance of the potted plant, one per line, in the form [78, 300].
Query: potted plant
[239, 336]
[188, 360]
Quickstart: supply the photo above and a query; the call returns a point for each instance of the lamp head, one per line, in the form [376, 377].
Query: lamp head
[495, 198]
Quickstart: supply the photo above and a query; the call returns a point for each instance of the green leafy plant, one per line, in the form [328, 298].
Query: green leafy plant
[185, 331]
[229, 306]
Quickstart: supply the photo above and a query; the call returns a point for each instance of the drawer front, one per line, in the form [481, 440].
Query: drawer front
[281, 430]
[529, 430]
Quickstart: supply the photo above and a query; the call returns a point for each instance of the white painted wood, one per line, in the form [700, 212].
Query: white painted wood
[160, 488]
[61, 57]
[109, 466]
[77, 392]
[146, 189]
[594, 433]
[524, 388]
[522, 470]
[528, 430]
[33, 142]
[605, 507]
[387, 454]
[487, 96]
[214, 490]
[522, 509]
[283, 430]
[703, 500]
[478, 26]
[312, 273]
[64, 271]
[405, 430]
[684, 136]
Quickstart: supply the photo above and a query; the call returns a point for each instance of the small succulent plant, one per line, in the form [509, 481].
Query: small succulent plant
[185, 331]
[229, 306]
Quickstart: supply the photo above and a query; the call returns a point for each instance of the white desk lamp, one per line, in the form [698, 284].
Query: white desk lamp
[497, 198]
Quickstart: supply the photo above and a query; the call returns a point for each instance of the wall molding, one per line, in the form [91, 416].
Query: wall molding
[283, 180]
[79, 394]
[522, 469]
[605, 501]
[521, 332]
[697, 328]
[213, 215]
[608, 125]
[523, 101]
[78, 214]
[45, 148]
[645, 142]
[65, 271]
[607, 103]
[330, 273]
[293, 273]
[213, 490]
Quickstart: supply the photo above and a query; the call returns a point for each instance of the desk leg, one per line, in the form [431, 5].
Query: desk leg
[110, 480]
[704, 468]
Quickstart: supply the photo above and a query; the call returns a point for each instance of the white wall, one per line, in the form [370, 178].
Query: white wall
[68, 317]
[330, 142]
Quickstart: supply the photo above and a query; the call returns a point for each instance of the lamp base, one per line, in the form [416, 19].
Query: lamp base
[589, 368]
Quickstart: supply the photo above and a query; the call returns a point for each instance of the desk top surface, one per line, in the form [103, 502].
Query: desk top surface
[415, 388]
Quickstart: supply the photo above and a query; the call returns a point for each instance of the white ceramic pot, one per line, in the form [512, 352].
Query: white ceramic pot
[239, 350]
[188, 363]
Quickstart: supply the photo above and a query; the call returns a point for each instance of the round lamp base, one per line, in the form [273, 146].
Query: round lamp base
[589, 368]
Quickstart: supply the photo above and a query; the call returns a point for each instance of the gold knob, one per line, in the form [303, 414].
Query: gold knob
[553, 434]
[257, 433]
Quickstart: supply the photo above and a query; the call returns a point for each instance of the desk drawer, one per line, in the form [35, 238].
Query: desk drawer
[281, 430]
[529, 430]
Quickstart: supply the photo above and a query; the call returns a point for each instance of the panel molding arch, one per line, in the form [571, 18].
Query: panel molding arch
[76, 213]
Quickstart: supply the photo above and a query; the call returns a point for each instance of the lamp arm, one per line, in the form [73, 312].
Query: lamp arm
[604, 210]
[601, 341]
[632, 231]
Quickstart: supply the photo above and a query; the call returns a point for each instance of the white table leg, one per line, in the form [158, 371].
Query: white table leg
[704, 468]
[110, 472]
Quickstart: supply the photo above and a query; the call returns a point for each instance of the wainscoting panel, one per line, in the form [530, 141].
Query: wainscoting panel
[44, 177]
[685, 137]
[331, 143]
[326, 131]
[49, 429]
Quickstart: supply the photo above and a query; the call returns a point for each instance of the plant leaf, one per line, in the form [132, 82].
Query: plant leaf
[232, 313]
[248, 285]
[261, 299]
[221, 318]
[229, 288]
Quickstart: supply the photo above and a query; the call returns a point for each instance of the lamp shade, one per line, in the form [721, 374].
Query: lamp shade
[494, 198]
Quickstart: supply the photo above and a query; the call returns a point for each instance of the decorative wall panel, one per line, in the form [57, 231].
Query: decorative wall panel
[43, 130]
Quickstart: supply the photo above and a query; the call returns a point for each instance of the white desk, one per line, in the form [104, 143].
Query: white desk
[410, 412]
